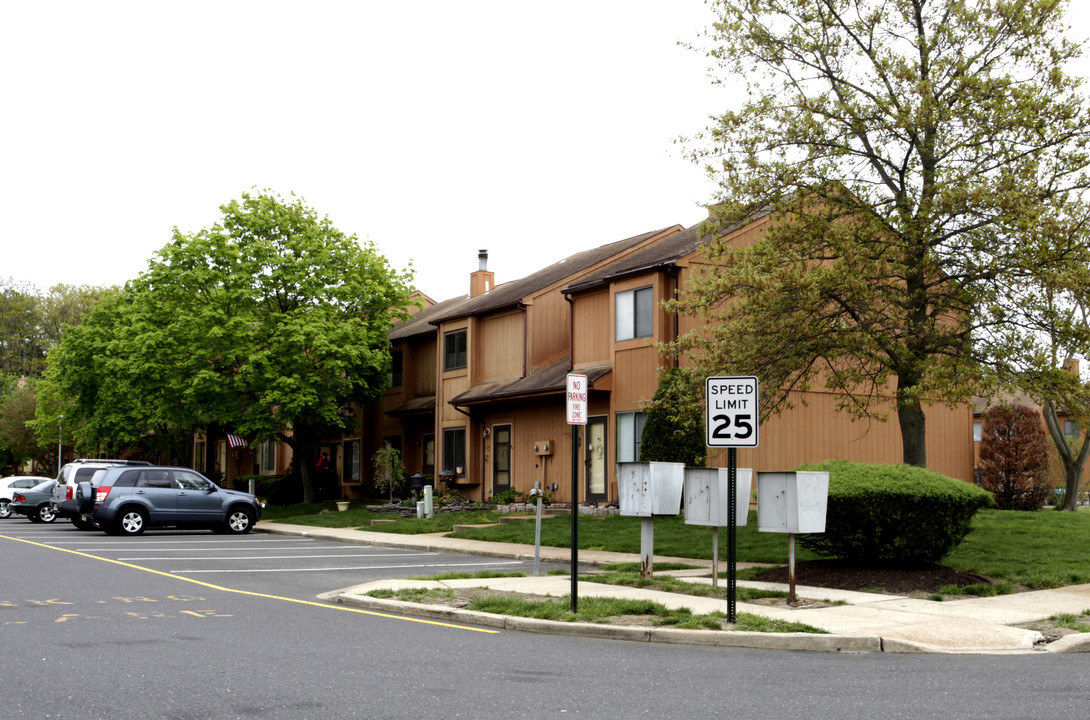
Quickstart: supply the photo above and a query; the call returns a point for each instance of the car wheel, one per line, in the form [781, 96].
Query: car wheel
[82, 524]
[4, 511]
[33, 517]
[85, 498]
[131, 521]
[45, 513]
[239, 521]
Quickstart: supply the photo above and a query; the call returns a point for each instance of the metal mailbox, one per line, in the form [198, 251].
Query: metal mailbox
[646, 489]
[707, 496]
[792, 502]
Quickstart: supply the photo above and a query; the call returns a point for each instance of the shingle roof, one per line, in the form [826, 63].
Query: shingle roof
[511, 293]
[549, 381]
[664, 253]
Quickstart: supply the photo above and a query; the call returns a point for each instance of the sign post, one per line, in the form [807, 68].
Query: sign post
[576, 407]
[733, 421]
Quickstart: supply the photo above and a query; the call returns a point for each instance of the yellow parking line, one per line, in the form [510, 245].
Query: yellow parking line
[250, 593]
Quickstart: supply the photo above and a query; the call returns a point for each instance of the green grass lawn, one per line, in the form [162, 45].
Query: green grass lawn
[1035, 549]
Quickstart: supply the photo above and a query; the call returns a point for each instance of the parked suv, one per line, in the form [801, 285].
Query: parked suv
[66, 504]
[127, 500]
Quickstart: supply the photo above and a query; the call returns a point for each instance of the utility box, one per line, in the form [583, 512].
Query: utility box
[646, 489]
[792, 502]
[707, 496]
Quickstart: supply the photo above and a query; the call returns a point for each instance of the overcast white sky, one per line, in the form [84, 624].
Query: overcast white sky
[433, 128]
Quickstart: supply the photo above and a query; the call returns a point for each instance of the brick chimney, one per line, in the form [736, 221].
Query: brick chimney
[482, 280]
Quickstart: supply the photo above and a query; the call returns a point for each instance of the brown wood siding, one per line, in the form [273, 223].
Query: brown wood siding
[816, 431]
[635, 377]
[549, 328]
[592, 322]
[498, 347]
[419, 368]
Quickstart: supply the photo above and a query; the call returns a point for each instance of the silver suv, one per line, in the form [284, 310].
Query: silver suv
[127, 500]
[67, 501]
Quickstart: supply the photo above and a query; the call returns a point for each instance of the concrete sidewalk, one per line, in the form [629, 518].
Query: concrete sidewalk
[860, 622]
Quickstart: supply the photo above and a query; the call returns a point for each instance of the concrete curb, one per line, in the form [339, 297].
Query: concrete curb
[727, 638]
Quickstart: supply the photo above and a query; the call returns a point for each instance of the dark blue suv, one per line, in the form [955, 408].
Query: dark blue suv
[127, 500]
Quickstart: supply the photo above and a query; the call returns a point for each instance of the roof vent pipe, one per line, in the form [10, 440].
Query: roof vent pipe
[482, 258]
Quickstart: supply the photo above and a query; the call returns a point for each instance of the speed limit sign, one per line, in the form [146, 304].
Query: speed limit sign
[733, 416]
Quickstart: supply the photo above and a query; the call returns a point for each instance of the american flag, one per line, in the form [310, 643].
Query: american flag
[235, 441]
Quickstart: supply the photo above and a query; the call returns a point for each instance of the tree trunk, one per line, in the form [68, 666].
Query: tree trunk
[913, 424]
[1072, 462]
[305, 461]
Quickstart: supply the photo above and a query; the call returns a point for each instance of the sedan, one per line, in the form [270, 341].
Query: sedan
[9, 485]
[35, 503]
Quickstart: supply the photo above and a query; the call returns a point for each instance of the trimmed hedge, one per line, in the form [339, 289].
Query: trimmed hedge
[893, 514]
[277, 489]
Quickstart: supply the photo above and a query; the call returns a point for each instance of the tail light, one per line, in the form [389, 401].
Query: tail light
[20, 498]
[68, 493]
[100, 495]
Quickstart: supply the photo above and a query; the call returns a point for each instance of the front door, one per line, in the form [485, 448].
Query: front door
[596, 453]
[501, 458]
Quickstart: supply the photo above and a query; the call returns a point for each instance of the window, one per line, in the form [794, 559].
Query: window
[629, 436]
[454, 350]
[454, 451]
[978, 431]
[191, 481]
[267, 459]
[352, 461]
[396, 376]
[634, 314]
[1071, 429]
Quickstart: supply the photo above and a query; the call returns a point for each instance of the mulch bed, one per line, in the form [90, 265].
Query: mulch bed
[895, 580]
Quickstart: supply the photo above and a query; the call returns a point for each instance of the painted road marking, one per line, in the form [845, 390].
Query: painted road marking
[249, 593]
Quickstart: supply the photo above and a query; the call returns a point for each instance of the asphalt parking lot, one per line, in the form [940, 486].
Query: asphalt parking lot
[298, 567]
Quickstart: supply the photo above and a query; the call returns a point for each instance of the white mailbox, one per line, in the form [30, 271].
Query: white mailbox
[792, 502]
[650, 488]
[707, 496]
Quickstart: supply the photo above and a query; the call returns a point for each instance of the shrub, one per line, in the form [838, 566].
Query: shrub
[1014, 462]
[673, 430]
[277, 489]
[893, 514]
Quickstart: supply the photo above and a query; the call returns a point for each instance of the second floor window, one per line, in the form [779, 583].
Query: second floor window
[634, 313]
[454, 350]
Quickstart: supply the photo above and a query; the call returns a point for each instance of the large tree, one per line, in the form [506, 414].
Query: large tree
[905, 155]
[272, 323]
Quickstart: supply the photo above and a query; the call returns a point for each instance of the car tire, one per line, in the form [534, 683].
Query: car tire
[33, 517]
[131, 521]
[82, 524]
[239, 521]
[85, 498]
[4, 510]
[46, 513]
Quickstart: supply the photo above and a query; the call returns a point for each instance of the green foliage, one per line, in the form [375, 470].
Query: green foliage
[389, 472]
[673, 430]
[276, 489]
[906, 191]
[893, 514]
[508, 496]
[1014, 462]
[271, 323]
